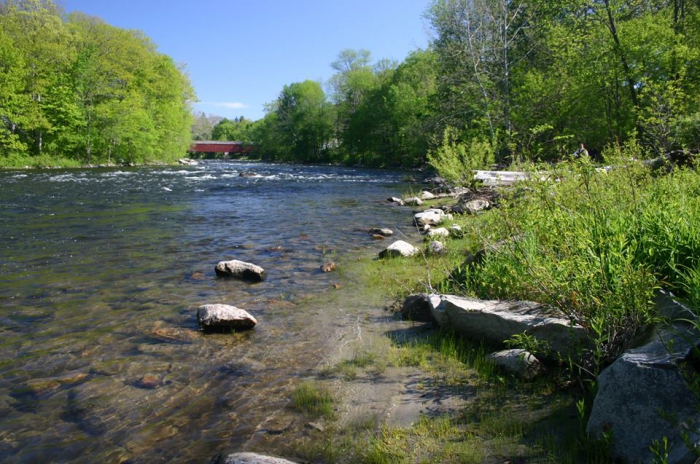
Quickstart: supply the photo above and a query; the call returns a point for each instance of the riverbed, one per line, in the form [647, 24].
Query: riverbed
[102, 271]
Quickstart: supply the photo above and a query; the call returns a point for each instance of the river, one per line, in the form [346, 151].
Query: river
[101, 273]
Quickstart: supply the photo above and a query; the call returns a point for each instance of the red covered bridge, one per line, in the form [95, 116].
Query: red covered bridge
[224, 147]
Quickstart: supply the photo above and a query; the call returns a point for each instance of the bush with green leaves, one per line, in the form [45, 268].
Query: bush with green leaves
[456, 160]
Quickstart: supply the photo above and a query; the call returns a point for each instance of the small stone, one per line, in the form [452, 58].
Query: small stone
[437, 247]
[328, 267]
[148, 381]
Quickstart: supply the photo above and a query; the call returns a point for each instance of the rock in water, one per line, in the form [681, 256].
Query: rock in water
[328, 267]
[214, 317]
[253, 458]
[241, 270]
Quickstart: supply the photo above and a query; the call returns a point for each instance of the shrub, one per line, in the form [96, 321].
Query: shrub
[455, 160]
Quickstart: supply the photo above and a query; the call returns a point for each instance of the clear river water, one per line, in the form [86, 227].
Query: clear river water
[101, 274]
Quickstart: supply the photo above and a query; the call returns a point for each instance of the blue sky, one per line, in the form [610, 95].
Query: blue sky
[240, 53]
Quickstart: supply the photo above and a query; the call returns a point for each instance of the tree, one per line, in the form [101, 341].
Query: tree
[299, 124]
[238, 129]
[203, 125]
[479, 44]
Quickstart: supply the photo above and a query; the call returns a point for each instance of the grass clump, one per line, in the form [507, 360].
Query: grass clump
[314, 401]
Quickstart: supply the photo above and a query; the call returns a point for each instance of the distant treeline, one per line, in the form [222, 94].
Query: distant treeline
[75, 88]
[524, 80]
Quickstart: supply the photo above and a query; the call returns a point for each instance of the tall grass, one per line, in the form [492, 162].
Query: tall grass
[595, 245]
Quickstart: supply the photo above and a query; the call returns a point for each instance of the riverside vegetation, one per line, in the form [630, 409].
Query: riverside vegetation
[596, 244]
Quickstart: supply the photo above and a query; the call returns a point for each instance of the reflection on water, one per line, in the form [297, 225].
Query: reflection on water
[101, 272]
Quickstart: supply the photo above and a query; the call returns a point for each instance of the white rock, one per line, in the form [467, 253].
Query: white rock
[241, 270]
[399, 248]
[254, 458]
[220, 316]
[413, 201]
[440, 232]
[431, 217]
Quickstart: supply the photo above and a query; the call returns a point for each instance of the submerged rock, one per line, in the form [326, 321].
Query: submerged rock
[328, 267]
[381, 231]
[241, 270]
[254, 458]
[224, 317]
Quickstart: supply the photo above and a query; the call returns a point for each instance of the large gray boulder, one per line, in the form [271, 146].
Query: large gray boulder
[224, 317]
[399, 248]
[643, 397]
[254, 458]
[496, 321]
[240, 270]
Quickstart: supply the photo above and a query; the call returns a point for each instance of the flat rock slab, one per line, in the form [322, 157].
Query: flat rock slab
[496, 321]
[216, 317]
[254, 458]
[240, 270]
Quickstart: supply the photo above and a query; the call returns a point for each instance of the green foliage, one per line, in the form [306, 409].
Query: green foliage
[456, 161]
[594, 245]
[238, 129]
[76, 88]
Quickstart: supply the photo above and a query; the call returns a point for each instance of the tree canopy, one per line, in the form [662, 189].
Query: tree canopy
[525, 80]
[75, 87]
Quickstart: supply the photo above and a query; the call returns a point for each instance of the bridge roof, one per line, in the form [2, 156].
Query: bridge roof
[215, 146]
